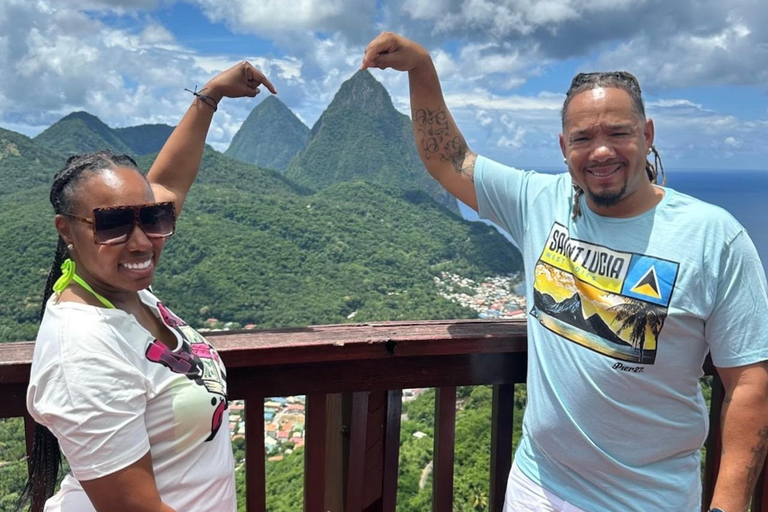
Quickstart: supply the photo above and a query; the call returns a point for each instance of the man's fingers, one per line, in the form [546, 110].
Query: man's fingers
[384, 60]
[383, 44]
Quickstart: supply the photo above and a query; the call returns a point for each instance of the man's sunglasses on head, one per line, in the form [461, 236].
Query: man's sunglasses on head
[114, 225]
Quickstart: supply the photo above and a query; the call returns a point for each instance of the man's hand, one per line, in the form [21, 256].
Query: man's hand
[442, 148]
[240, 80]
[390, 50]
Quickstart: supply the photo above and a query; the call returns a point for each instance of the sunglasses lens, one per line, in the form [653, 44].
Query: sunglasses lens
[157, 220]
[112, 226]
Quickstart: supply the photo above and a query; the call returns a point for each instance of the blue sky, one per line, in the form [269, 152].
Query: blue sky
[504, 64]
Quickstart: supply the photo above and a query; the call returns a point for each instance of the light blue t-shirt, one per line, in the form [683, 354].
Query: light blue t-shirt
[622, 313]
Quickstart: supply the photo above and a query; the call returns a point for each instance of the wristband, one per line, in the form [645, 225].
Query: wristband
[204, 98]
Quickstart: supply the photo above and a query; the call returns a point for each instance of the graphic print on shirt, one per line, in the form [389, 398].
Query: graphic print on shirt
[612, 302]
[197, 360]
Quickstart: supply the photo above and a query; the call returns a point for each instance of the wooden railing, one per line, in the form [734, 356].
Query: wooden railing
[353, 377]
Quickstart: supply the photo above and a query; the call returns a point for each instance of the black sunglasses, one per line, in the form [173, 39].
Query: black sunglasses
[114, 225]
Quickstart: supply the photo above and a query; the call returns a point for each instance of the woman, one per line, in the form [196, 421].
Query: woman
[134, 396]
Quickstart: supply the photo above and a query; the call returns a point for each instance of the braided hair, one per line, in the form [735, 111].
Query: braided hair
[618, 80]
[45, 460]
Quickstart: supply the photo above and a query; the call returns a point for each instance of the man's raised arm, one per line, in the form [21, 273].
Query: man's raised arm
[441, 145]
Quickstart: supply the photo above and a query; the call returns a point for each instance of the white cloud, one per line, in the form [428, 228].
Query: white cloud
[280, 19]
[727, 52]
[483, 119]
[516, 141]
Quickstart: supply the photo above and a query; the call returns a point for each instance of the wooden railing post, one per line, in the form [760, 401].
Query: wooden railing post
[335, 451]
[357, 451]
[255, 470]
[391, 450]
[714, 443]
[314, 454]
[502, 421]
[445, 434]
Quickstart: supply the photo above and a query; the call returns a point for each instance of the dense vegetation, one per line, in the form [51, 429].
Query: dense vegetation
[270, 136]
[24, 164]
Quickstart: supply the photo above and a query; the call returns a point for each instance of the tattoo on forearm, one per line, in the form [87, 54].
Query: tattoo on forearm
[756, 464]
[436, 139]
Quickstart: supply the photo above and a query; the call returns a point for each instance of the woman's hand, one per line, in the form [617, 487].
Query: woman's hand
[242, 79]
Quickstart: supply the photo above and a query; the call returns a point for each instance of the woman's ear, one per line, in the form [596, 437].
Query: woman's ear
[64, 228]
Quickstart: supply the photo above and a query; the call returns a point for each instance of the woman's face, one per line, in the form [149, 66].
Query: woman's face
[111, 269]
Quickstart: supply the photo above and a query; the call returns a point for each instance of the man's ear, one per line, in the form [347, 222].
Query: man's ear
[649, 132]
[64, 228]
[562, 145]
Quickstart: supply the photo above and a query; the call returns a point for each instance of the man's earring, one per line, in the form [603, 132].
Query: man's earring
[70, 247]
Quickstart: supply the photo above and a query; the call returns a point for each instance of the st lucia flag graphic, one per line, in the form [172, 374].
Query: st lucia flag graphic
[650, 279]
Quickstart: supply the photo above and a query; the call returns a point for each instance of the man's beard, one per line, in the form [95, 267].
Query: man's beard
[607, 198]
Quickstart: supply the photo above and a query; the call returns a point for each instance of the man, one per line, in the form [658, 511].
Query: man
[630, 286]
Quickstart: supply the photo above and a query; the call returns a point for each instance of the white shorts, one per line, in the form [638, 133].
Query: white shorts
[524, 495]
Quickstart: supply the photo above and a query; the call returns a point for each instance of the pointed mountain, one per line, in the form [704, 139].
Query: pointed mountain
[24, 164]
[270, 137]
[144, 139]
[80, 132]
[361, 136]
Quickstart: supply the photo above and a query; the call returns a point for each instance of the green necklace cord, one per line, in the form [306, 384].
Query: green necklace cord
[68, 275]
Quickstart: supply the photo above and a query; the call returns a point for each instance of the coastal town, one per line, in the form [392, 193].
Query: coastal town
[494, 297]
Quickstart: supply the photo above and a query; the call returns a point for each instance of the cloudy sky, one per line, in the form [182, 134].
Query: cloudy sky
[504, 64]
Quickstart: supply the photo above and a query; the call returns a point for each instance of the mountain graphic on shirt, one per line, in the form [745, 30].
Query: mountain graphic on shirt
[570, 311]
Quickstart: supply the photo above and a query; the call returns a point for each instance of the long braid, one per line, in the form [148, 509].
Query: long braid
[653, 168]
[45, 460]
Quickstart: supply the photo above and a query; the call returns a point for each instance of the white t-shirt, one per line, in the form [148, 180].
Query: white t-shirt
[110, 392]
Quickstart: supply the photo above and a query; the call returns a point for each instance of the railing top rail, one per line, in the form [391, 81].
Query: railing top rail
[330, 343]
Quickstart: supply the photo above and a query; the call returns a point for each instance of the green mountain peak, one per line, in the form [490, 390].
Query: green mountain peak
[361, 136]
[270, 136]
[362, 90]
[81, 132]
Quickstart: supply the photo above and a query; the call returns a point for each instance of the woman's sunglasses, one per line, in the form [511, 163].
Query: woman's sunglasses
[114, 225]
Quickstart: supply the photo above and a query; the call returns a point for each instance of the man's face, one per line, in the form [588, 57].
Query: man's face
[605, 142]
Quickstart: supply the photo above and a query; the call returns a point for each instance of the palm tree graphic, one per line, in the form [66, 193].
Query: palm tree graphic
[638, 315]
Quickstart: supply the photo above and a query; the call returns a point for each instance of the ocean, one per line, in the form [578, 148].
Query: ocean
[743, 193]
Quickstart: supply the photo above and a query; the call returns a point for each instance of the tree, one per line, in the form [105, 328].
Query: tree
[638, 316]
